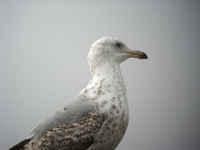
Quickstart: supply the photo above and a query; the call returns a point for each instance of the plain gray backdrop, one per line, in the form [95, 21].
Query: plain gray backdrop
[43, 49]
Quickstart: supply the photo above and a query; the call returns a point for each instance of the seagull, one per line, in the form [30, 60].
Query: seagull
[97, 118]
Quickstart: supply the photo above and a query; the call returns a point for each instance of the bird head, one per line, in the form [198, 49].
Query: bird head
[110, 50]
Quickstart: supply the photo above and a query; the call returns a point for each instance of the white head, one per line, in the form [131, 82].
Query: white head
[112, 51]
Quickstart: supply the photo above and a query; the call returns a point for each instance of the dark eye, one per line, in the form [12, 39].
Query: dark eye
[118, 44]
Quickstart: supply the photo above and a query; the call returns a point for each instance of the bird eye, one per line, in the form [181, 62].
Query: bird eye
[118, 44]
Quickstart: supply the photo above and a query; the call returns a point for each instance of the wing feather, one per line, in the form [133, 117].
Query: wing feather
[73, 128]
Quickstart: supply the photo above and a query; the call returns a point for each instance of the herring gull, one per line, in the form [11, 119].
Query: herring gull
[98, 117]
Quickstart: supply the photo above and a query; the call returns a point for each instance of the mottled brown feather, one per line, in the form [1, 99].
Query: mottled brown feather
[75, 136]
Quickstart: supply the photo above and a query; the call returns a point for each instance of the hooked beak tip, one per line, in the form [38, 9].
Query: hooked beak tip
[143, 56]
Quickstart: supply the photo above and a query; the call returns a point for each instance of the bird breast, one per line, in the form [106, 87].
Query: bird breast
[111, 100]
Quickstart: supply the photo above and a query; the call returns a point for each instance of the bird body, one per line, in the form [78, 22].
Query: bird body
[98, 117]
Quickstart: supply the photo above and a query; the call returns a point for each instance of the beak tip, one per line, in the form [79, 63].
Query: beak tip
[143, 56]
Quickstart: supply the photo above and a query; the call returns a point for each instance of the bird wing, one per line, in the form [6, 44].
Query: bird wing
[73, 127]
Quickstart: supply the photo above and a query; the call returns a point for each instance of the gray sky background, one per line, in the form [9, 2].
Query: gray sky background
[43, 49]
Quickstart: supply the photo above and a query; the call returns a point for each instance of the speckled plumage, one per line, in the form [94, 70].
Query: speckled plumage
[97, 119]
[75, 136]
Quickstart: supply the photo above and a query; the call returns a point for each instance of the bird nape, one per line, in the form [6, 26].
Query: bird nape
[98, 117]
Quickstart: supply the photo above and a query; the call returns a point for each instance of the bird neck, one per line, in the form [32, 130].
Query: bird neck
[107, 86]
[108, 74]
[109, 71]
